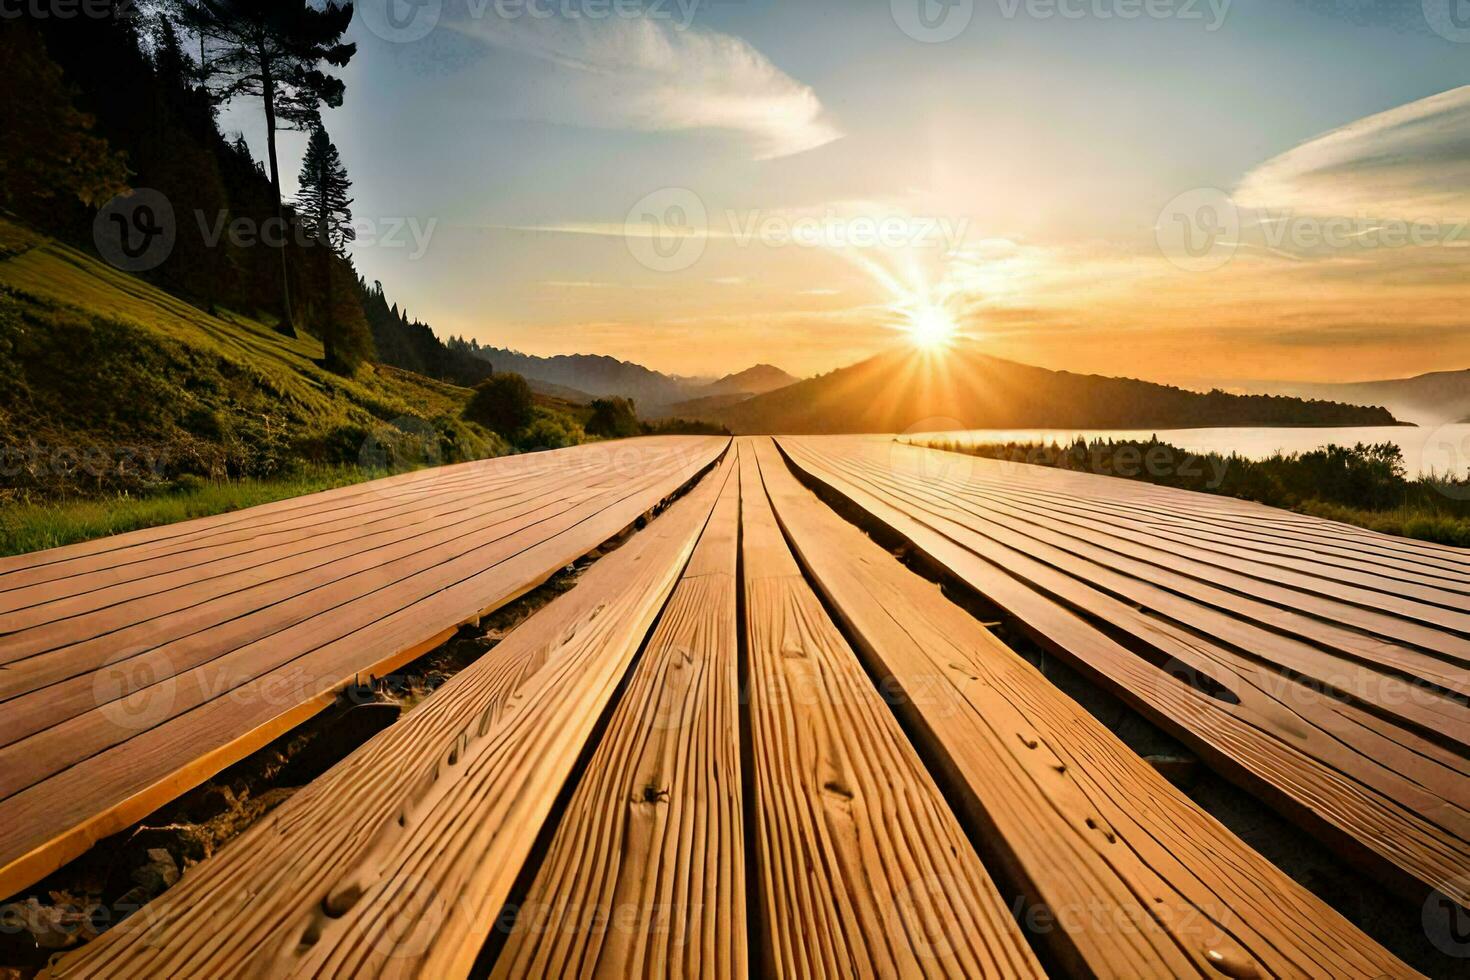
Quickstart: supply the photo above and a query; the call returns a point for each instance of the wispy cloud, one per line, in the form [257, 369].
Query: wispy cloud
[1410, 163]
[648, 75]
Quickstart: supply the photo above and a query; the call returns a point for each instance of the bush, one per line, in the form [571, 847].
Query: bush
[502, 403]
[550, 430]
[613, 418]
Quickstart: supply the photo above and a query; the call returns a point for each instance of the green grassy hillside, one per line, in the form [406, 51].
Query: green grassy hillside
[109, 385]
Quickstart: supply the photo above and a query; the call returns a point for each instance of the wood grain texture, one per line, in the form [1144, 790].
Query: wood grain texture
[1384, 795]
[863, 870]
[646, 874]
[1141, 881]
[98, 733]
[289, 897]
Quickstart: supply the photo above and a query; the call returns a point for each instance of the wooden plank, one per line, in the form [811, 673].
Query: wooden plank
[863, 870]
[1073, 815]
[1229, 514]
[1345, 564]
[646, 874]
[1317, 649]
[1288, 744]
[257, 547]
[98, 555]
[462, 786]
[150, 738]
[1431, 627]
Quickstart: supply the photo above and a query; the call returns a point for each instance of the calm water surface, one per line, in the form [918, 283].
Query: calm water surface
[1427, 449]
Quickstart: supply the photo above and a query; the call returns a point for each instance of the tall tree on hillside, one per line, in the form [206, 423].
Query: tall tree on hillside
[323, 203]
[274, 49]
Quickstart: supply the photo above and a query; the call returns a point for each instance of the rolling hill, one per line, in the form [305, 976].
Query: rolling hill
[755, 380]
[598, 376]
[964, 389]
[1428, 399]
[108, 383]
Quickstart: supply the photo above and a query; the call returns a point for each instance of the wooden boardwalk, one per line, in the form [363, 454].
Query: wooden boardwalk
[750, 742]
[134, 667]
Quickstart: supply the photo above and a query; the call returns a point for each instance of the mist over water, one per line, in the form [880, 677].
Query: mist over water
[1443, 450]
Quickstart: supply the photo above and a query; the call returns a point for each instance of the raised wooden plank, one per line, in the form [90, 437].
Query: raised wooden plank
[862, 868]
[462, 786]
[646, 874]
[158, 731]
[1075, 817]
[1368, 791]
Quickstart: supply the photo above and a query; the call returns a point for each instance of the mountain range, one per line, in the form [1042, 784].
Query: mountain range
[963, 388]
[587, 376]
[1428, 399]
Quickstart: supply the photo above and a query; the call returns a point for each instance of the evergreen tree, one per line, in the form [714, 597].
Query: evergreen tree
[274, 49]
[324, 204]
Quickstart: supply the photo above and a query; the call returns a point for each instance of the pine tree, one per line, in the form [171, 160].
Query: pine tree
[324, 204]
[274, 49]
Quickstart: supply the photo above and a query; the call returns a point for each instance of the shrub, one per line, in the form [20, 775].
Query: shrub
[613, 418]
[502, 403]
[550, 430]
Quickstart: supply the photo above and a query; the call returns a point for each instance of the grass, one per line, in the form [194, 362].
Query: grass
[34, 526]
[98, 364]
[1361, 485]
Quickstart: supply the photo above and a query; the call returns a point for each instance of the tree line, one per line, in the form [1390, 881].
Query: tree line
[101, 105]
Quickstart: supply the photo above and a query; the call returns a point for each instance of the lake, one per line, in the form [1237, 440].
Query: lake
[1427, 449]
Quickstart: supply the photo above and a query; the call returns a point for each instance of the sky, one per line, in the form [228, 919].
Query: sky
[1188, 191]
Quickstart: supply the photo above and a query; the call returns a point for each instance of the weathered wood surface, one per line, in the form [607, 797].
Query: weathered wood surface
[862, 868]
[596, 758]
[1140, 880]
[1348, 744]
[397, 860]
[646, 874]
[134, 667]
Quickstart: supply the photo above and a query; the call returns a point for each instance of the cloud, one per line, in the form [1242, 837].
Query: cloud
[1411, 163]
[646, 74]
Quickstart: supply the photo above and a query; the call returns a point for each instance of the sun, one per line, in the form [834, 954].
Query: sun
[930, 327]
